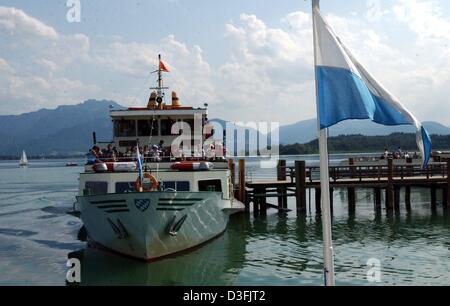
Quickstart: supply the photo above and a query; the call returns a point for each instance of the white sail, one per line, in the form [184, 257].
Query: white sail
[23, 159]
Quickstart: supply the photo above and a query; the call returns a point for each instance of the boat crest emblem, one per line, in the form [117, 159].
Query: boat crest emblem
[142, 204]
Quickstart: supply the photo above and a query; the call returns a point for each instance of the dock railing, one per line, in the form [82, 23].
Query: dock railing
[391, 177]
[378, 172]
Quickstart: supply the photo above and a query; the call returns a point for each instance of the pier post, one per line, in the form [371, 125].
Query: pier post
[281, 176]
[300, 185]
[397, 198]
[409, 168]
[408, 198]
[232, 168]
[390, 187]
[351, 199]
[444, 198]
[262, 202]
[433, 196]
[241, 188]
[448, 183]
[351, 162]
[256, 202]
[377, 198]
[318, 194]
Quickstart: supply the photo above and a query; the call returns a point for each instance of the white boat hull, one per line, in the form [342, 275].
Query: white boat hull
[152, 225]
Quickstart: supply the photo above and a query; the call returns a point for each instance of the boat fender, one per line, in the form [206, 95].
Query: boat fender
[149, 184]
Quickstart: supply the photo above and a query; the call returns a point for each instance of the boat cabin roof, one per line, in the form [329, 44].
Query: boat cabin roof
[145, 112]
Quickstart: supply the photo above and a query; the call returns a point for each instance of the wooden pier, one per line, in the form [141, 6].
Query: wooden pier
[297, 181]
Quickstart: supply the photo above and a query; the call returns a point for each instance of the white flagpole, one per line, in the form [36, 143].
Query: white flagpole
[324, 182]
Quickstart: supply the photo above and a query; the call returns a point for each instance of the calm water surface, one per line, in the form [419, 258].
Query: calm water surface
[37, 237]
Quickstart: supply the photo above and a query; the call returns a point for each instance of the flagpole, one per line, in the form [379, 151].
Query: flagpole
[324, 180]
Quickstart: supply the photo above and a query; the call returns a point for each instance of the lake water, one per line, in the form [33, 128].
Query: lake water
[37, 237]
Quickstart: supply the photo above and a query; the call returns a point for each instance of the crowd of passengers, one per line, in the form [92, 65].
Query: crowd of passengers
[399, 154]
[149, 153]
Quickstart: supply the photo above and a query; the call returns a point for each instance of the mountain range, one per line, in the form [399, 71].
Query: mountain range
[306, 131]
[64, 130]
[68, 129]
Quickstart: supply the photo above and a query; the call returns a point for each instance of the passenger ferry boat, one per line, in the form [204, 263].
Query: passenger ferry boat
[158, 200]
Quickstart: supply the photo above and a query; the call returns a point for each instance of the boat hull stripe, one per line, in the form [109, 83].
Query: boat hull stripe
[117, 210]
[180, 200]
[108, 202]
[170, 209]
[176, 204]
[112, 206]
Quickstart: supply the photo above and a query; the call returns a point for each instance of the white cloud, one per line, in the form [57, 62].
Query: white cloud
[46, 64]
[268, 74]
[34, 54]
[425, 19]
[190, 74]
[429, 71]
[5, 67]
[375, 11]
[20, 31]
[17, 23]
[30, 92]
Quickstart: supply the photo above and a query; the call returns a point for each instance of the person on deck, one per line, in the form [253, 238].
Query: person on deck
[128, 152]
[93, 156]
[146, 151]
[161, 148]
[109, 154]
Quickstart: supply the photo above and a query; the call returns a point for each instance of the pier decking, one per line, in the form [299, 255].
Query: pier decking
[388, 178]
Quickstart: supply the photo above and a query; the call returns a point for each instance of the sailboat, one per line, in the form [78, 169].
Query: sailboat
[23, 160]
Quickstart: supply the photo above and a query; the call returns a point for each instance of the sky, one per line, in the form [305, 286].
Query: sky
[250, 60]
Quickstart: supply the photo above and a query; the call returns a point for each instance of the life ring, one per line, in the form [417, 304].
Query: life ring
[149, 184]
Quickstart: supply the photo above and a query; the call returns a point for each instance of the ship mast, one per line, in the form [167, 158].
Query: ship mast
[159, 72]
[160, 89]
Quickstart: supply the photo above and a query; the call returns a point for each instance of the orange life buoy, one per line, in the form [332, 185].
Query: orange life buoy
[149, 184]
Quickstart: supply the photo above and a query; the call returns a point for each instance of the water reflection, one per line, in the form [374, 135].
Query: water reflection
[216, 263]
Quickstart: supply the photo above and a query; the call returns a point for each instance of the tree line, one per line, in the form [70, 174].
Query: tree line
[366, 144]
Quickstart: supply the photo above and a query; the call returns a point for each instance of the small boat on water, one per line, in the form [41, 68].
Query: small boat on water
[71, 164]
[165, 202]
[23, 160]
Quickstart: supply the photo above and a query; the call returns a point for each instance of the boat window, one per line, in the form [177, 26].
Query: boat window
[178, 186]
[145, 127]
[125, 128]
[183, 186]
[210, 185]
[127, 143]
[125, 187]
[94, 188]
[166, 127]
